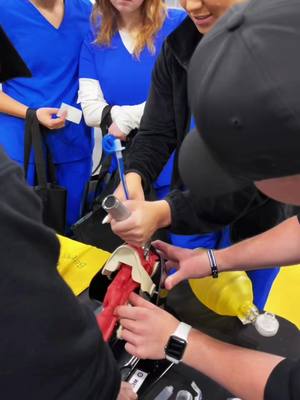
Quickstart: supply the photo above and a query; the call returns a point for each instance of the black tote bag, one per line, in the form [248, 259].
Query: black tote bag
[89, 229]
[53, 196]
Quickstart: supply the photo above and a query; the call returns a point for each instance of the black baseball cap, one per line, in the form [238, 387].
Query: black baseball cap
[11, 63]
[244, 91]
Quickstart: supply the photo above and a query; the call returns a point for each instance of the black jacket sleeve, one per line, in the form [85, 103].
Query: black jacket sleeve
[284, 382]
[156, 139]
[190, 216]
[50, 345]
[248, 211]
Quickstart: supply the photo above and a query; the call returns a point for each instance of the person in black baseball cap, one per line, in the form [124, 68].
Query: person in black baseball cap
[245, 98]
[244, 95]
[248, 130]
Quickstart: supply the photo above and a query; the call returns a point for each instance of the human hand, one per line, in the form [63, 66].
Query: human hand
[45, 118]
[135, 188]
[126, 392]
[188, 263]
[116, 132]
[146, 217]
[146, 328]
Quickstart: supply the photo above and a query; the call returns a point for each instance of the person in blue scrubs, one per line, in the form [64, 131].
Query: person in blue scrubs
[117, 59]
[48, 35]
[102, 84]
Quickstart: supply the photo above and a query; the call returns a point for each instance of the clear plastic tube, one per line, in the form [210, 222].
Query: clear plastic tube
[122, 173]
[165, 394]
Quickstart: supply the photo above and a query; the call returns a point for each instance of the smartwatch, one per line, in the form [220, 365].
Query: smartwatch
[177, 342]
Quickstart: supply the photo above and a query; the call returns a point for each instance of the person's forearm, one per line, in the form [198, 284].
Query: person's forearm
[92, 112]
[134, 177]
[241, 371]
[92, 101]
[277, 246]
[127, 118]
[12, 107]
[163, 213]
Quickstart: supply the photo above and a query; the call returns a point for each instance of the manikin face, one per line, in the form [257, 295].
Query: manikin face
[286, 190]
[205, 13]
[127, 6]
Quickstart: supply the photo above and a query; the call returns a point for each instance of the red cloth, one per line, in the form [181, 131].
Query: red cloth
[119, 290]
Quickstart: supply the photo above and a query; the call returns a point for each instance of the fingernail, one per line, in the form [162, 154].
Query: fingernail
[105, 220]
[171, 271]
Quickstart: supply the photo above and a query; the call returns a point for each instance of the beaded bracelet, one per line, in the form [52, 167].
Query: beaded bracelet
[212, 263]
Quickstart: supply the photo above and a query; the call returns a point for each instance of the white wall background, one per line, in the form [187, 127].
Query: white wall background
[173, 3]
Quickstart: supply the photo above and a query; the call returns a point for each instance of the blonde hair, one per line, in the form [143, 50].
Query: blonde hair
[153, 14]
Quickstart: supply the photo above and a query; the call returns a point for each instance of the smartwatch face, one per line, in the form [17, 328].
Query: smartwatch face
[175, 347]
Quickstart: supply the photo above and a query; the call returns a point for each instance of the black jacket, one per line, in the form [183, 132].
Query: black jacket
[50, 345]
[165, 123]
[284, 381]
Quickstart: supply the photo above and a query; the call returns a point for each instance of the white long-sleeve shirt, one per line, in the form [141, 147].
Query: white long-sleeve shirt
[92, 100]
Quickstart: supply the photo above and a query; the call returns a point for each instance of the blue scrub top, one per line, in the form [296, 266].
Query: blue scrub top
[124, 79]
[52, 55]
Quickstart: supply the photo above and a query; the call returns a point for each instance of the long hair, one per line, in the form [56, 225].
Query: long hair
[153, 14]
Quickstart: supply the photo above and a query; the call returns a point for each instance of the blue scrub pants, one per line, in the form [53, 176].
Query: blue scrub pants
[73, 176]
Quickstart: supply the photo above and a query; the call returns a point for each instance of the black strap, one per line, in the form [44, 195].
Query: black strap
[98, 166]
[27, 140]
[106, 120]
[50, 165]
[34, 138]
[105, 123]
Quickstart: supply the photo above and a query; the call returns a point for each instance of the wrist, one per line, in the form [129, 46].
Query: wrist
[31, 112]
[188, 354]
[24, 113]
[115, 112]
[177, 343]
[212, 263]
[221, 257]
[163, 213]
[201, 258]
[120, 118]
[135, 185]
[200, 342]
